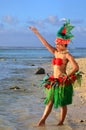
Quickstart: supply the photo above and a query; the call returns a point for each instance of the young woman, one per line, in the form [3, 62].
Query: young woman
[59, 87]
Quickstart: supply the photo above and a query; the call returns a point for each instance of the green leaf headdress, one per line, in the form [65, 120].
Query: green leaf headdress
[64, 34]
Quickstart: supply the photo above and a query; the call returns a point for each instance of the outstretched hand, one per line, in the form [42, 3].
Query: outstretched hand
[33, 29]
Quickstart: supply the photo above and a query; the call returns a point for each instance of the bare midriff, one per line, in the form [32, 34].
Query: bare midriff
[59, 70]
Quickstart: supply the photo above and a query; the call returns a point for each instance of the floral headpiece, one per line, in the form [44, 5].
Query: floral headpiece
[64, 34]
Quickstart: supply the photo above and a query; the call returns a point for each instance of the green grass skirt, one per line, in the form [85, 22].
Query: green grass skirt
[60, 90]
[60, 95]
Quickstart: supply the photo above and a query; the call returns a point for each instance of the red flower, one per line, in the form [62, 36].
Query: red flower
[65, 78]
[60, 79]
[48, 86]
[51, 78]
[73, 77]
[64, 31]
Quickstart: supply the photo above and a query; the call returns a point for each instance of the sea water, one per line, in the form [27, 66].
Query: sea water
[21, 98]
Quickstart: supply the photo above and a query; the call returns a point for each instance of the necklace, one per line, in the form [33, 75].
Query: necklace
[63, 52]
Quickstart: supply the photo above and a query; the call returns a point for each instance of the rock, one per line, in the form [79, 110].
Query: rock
[15, 87]
[40, 71]
[32, 65]
[81, 120]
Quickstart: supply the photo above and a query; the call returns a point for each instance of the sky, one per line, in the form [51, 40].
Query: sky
[46, 15]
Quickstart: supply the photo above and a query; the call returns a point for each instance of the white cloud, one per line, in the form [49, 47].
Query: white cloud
[51, 20]
[10, 20]
[63, 19]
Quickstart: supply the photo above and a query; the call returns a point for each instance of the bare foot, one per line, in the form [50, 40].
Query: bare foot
[41, 123]
[60, 123]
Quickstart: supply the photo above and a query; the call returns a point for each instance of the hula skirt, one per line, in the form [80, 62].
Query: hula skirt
[60, 90]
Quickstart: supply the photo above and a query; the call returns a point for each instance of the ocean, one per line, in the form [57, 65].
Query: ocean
[17, 59]
[20, 93]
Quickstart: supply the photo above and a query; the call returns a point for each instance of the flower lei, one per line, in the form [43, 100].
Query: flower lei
[50, 81]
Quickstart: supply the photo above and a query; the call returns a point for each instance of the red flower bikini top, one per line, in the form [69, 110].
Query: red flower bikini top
[57, 61]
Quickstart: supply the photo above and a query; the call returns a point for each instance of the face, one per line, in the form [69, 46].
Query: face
[60, 47]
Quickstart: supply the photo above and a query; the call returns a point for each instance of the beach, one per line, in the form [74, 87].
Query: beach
[22, 98]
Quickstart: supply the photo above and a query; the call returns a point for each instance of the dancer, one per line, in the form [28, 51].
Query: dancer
[59, 86]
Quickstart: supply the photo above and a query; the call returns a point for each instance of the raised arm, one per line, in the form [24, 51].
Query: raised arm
[44, 42]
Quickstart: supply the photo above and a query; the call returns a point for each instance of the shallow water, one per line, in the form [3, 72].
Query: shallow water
[18, 107]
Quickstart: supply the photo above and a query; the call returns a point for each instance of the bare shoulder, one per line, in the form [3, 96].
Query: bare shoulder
[69, 56]
[71, 59]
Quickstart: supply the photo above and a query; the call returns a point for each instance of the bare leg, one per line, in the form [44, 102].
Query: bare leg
[62, 115]
[47, 111]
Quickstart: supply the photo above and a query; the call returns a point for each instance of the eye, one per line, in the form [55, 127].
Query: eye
[57, 44]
